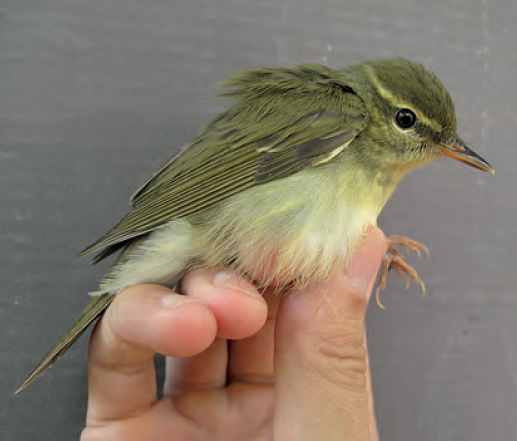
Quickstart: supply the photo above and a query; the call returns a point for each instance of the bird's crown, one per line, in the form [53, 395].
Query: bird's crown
[403, 84]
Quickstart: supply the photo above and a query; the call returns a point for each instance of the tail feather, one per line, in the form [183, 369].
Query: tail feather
[87, 317]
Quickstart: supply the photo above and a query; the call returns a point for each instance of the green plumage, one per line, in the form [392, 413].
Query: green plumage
[282, 185]
[257, 140]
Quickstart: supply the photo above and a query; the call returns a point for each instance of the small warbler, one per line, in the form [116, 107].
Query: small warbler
[281, 186]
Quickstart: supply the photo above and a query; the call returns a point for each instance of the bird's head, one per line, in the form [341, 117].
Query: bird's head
[411, 115]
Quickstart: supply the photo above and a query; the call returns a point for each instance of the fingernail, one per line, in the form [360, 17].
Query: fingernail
[173, 301]
[224, 279]
[361, 270]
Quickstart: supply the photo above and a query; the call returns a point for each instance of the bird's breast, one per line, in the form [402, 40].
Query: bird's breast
[292, 230]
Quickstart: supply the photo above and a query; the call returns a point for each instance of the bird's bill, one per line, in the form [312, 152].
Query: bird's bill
[462, 153]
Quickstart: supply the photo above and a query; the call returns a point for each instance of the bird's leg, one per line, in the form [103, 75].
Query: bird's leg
[394, 259]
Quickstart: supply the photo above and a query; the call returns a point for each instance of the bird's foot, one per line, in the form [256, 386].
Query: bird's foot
[394, 259]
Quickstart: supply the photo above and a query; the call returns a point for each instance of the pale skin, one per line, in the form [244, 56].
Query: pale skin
[240, 366]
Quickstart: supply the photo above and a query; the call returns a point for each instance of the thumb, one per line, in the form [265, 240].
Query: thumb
[320, 358]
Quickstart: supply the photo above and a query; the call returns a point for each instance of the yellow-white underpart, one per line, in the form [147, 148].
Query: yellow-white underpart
[162, 258]
[288, 230]
[295, 229]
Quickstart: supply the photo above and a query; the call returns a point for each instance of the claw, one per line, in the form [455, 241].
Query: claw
[394, 259]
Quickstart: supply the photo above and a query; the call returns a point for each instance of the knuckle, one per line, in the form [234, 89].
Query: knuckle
[342, 355]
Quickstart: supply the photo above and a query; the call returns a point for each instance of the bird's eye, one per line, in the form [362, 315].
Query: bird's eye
[405, 118]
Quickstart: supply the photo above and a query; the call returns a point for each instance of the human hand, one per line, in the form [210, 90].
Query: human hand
[245, 366]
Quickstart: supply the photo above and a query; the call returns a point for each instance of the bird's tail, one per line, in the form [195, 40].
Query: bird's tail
[87, 317]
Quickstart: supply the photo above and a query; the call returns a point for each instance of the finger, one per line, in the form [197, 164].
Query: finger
[252, 359]
[142, 320]
[239, 308]
[240, 311]
[206, 370]
[366, 261]
[374, 434]
[320, 366]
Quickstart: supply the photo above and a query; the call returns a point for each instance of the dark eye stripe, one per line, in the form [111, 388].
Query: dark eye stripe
[423, 131]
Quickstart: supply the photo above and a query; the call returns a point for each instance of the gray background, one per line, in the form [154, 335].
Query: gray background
[95, 95]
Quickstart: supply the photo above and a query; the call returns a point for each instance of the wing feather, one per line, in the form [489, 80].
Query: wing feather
[285, 120]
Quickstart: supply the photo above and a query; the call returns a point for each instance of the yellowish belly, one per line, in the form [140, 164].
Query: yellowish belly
[291, 230]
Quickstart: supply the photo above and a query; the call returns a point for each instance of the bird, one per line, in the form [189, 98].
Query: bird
[282, 186]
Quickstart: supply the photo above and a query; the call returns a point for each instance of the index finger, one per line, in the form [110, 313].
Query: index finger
[139, 323]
